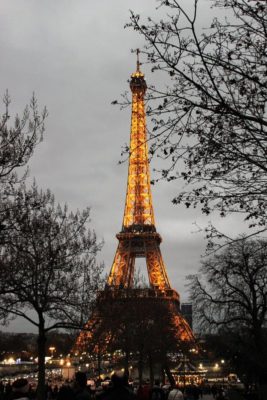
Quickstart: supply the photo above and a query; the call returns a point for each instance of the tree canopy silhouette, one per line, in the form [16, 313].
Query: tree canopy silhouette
[229, 296]
[49, 274]
[209, 121]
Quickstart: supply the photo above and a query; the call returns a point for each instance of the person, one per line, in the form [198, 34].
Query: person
[8, 390]
[214, 391]
[65, 393]
[220, 394]
[157, 393]
[20, 389]
[98, 394]
[119, 389]
[55, 392]
[143, 391]
[189, 392]
[175, 394]
[80, 387]
[196, 392]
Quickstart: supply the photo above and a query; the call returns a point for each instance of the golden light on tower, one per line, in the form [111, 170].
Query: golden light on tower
[138, 237]
[138, 205]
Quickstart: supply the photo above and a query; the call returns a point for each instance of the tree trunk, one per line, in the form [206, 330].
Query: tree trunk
[261, 360]
[151, 370]
[162, 375]
[169, 374]
[140, 368]
[126, 362]
[263, 392]
[99, 364]
[41, 360]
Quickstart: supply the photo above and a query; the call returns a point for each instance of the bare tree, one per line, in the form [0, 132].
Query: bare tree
[209, 122]
[229, 295]
[17, 143]
[49, 274]
[143, 328]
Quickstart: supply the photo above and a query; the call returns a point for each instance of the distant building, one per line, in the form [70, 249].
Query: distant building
[186, 311]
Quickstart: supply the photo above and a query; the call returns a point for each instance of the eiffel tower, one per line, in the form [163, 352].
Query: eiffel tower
[138, 237]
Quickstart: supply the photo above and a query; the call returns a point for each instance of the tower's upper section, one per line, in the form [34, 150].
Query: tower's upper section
[138, 83]
[138, 213]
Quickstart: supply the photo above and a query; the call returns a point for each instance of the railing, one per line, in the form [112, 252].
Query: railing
[114, 292]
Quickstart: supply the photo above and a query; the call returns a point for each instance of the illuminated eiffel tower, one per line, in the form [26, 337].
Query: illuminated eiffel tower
[138, 237]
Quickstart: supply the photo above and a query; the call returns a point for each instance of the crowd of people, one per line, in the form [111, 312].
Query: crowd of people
[117, 389]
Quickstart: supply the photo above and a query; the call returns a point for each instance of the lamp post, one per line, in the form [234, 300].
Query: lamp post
[52, 349]
[223, 369]
[184, 368]
[68, 365]
[216, 368]
[61, 363]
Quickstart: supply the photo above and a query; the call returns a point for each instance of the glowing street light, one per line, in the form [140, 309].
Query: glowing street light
[52, 349]
[9, 361]
[68, 365]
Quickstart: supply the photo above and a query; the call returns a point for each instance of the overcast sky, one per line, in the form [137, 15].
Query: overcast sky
[75, 55]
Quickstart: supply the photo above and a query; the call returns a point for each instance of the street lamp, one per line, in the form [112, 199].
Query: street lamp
[52, 349]
[216, 369]
[68, 365]
[184, 369]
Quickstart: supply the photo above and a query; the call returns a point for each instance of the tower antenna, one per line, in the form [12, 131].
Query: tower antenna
[138, 62]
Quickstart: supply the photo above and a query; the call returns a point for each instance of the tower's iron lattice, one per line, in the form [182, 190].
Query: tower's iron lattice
[138, 237]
